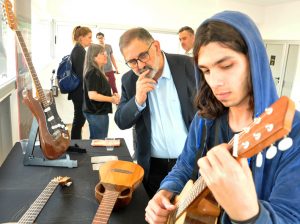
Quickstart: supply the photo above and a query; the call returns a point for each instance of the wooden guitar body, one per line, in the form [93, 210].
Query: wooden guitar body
[55, 140]
[203, 210]
[118, 180]
[123, 199]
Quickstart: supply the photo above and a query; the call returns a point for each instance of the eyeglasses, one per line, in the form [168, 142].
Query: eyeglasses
[143, 57]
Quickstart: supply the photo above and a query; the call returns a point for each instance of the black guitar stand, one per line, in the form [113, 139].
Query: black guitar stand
[31, 160]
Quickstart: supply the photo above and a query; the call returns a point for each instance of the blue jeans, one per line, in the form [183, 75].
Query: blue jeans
[98, 125]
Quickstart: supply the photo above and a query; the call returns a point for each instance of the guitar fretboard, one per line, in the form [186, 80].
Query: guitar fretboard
[105, 208]
[197, 188]
[39, 203]
[31, 69]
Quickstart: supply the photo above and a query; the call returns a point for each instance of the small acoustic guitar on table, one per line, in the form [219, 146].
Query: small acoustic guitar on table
[37, 206]
[196, 204]
[53, 133]
[118, 180]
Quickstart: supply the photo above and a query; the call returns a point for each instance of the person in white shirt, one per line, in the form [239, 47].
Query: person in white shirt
[157, 98]
[186, 38]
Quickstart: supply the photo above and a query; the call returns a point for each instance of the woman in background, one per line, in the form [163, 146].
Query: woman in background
[97, 102]
[82, 37]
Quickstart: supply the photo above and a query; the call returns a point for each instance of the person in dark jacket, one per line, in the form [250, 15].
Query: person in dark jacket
[97, 101]
[236, 118]
[82, 37]
[157, 97]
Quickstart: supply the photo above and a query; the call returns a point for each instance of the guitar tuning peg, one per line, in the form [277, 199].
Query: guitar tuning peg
[269, 110]
[285, 143]
[259, 159]
[271, 152]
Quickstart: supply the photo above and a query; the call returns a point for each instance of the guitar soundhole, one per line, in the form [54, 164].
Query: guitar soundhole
[101, 189]
[125, 192]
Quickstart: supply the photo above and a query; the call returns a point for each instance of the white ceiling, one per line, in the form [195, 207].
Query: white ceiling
[265, 2]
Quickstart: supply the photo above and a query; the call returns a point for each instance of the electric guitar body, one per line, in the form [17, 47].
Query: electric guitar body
[53, 143]
[53, 133]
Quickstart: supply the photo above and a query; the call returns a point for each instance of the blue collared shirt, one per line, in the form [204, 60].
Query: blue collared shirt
[168, 130]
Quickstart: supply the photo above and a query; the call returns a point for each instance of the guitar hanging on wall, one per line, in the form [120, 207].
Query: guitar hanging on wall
[54, 137]
[196, 204]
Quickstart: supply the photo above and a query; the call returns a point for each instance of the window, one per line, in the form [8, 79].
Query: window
[3, 54]
[7, 67]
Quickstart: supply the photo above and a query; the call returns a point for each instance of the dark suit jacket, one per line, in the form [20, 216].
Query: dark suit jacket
[127, 114]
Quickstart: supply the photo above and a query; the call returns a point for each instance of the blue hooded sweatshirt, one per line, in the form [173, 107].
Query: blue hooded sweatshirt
[277, 181]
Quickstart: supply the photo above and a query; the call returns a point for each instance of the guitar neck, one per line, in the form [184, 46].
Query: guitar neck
[39, 203]
[197, 188]
[31, 68]
[106, 206]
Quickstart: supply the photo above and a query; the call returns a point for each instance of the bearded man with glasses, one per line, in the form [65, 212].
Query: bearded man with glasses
[157, 98]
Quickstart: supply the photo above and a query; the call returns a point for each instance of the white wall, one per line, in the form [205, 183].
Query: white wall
[281, 22]
[158, 14]
[295, 93]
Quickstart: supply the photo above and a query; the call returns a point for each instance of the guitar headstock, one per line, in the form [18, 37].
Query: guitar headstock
[270, 126]
[64, 181]
[10, 16]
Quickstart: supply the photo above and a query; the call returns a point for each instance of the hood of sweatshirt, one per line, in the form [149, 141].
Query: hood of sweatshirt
[263, 85]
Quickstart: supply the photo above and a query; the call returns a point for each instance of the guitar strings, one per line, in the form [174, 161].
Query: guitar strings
[48, 109]
[39, 203]
[200, 184]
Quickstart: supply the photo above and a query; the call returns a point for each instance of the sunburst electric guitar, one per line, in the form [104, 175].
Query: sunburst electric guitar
[118, 180]
[54, 137]
[196, 204]
[34, 210]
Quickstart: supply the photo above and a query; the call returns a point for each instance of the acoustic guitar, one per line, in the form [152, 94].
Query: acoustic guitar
[118, 180]
[37, 206]
[54, 137]
[196, 204]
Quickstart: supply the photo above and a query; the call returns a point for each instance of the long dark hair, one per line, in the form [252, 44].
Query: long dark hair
[215, 31]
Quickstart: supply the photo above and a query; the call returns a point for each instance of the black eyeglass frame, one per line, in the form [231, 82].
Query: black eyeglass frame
[136, 60]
